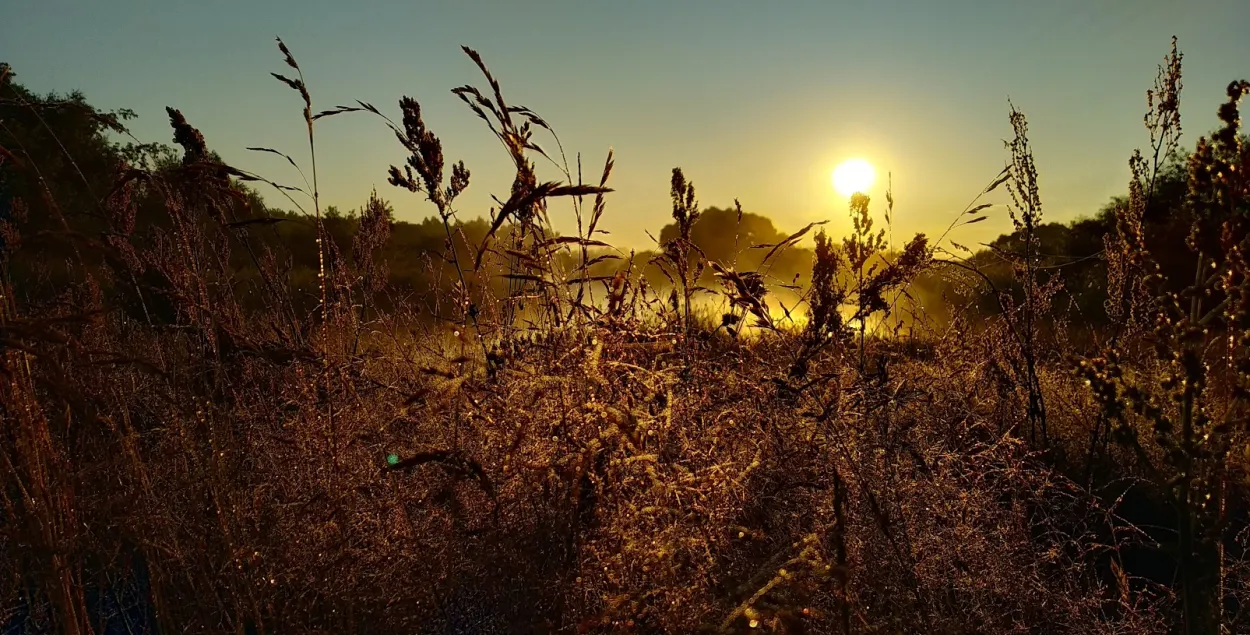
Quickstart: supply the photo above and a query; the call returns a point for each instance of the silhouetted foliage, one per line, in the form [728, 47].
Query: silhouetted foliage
[220, 414]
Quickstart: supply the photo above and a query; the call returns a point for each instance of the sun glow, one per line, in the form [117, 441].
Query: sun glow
[853, 175]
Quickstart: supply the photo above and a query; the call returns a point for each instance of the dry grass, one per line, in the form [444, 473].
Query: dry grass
[585, 453]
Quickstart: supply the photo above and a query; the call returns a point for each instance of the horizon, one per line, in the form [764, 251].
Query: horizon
[1008, 393]
[729, 95]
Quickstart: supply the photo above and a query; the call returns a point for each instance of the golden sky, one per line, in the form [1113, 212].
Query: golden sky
[758, 101]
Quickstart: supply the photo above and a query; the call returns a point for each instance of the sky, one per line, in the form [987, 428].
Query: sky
[757, 101]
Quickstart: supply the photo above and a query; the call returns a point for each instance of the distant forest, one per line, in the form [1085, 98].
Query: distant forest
[415, 257]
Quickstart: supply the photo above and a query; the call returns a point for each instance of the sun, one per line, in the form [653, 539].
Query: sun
[853, 175]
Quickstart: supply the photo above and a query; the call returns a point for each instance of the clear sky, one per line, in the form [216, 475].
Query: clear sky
[756, 100]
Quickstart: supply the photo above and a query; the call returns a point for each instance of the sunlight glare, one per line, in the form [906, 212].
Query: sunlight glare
[853, 175]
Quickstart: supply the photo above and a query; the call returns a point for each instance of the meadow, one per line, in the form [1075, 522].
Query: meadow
[222, 414]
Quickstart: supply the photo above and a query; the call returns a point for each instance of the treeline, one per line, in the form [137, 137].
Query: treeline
[424, 260]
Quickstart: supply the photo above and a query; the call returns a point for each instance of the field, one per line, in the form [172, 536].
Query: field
[220, 416]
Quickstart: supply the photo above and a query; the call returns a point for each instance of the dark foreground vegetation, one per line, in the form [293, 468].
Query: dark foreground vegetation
[222, 417]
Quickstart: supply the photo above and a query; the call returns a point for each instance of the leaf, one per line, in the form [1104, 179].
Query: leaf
[598, 259]
[515, 202]
[526, 276]
[518, 202]
[337, 110]
[976, 220]
[567, 240]
[295, 84]
[578, 190]
[979, 208]
[272, 151]
[530, 145]
[785, 309]
[1002, 178]
[791, 239]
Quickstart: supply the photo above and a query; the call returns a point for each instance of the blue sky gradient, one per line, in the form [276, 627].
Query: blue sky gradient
[755, 100]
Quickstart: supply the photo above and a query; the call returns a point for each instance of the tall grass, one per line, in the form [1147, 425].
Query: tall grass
[580, 452]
